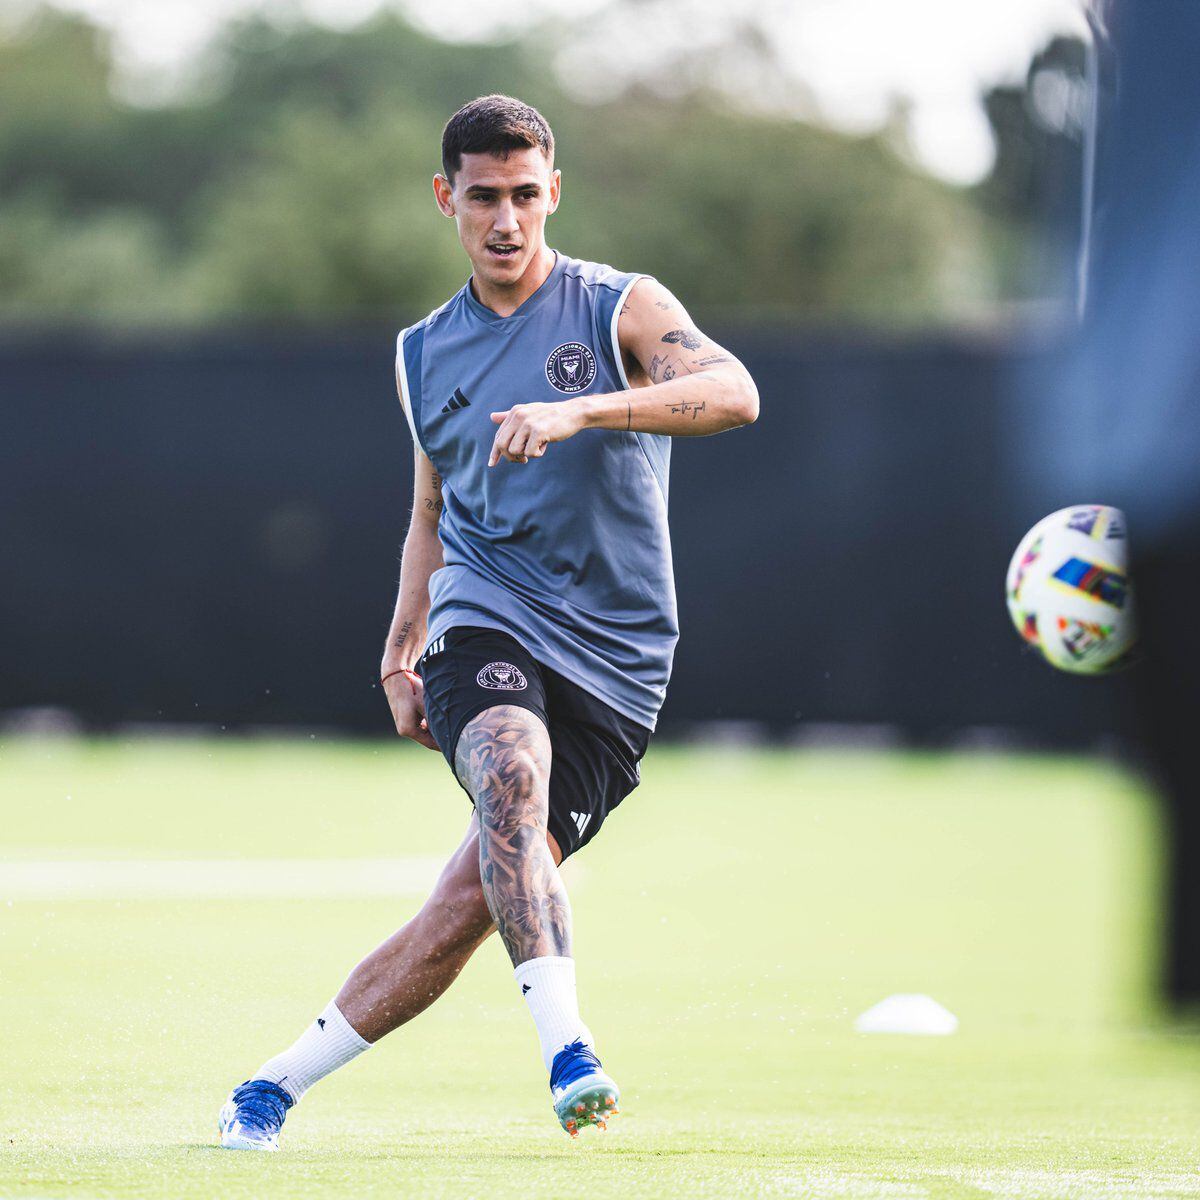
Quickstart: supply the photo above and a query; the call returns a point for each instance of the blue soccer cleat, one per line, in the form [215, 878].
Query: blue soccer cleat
[581, 1092]
[253, 1116]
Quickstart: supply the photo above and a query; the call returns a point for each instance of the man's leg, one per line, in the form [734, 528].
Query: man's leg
[503, 759]
[408, 972]
[394, 983]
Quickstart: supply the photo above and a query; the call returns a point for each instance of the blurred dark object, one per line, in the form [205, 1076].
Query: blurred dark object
[1133, 403]
[207, 529]
[1040, 130]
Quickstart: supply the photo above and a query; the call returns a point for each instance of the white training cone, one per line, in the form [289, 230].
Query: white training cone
[908, 1013]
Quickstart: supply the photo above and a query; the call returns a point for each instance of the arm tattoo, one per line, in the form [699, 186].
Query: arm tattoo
[503, 759]
[663, 367]
[628, 416]
[688, 406]
[433, 505]
[402, 636]
[663, 304]
[713, 359]
[690, 338]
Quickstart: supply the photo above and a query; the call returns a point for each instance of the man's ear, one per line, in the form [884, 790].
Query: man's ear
[555, 191]
[443, 193]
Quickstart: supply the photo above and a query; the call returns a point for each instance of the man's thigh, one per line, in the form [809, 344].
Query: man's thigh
[470, 670]
[595, 751]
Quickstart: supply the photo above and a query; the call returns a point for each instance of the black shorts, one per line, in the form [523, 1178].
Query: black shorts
[595, 750]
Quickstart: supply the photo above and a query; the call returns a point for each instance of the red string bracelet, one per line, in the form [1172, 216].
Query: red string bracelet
[411, 675]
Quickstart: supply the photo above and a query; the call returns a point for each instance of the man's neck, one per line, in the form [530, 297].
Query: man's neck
[504, 301]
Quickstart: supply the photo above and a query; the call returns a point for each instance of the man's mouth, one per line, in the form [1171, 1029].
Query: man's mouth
[503, 249]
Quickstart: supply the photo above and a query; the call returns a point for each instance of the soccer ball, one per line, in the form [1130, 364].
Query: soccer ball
[1068, 590]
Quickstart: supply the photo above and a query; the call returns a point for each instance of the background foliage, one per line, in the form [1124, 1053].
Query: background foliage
[293, 183]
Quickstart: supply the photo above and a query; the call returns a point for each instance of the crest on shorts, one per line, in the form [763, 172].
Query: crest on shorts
[501, 677]
[571, 367]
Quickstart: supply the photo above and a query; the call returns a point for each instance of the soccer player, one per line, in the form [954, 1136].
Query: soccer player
[537, 581]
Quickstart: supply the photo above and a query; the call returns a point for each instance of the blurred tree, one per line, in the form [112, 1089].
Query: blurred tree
[295, 181]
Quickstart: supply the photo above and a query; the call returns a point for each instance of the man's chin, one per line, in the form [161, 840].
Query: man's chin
[501, 272]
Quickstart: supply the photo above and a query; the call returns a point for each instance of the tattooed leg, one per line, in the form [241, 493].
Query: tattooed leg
[503, 760]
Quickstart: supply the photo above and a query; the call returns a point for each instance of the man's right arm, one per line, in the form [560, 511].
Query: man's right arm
[406, 636]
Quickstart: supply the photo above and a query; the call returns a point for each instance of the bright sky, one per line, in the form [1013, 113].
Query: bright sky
[857, 56]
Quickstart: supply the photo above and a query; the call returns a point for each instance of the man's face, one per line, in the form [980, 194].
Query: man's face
[500, 206]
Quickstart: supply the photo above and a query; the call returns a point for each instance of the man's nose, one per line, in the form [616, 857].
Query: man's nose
[506, 217]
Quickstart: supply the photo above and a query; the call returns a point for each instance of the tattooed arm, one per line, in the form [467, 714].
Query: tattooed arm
[682, 383]
[406, 637]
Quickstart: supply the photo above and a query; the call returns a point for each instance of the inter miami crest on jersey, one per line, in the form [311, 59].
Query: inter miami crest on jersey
[571, 367]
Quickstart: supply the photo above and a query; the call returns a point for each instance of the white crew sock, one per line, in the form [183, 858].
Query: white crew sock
[328, 1043]
[548, 985]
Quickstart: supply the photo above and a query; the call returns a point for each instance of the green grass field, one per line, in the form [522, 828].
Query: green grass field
[736, 915]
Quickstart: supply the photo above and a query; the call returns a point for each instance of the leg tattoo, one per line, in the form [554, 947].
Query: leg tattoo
[503, 759]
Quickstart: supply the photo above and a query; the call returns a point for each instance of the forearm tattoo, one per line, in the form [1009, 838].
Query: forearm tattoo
[503, 760]
[402, 636]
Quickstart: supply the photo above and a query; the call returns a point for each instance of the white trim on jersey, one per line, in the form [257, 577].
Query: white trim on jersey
[402, 381]
[616, 342]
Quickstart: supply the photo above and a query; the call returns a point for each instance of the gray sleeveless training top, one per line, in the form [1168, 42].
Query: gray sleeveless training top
[569, 553]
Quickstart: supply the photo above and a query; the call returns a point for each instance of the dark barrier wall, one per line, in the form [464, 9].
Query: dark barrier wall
[208, 530]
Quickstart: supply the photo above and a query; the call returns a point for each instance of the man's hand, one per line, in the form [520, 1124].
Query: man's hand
[406, 698]
[527, 429]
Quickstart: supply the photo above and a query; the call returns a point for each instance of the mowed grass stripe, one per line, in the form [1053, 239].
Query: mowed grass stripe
[216, 879]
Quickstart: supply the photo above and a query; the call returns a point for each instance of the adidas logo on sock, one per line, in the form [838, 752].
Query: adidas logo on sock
[581, 821]
[457, 401]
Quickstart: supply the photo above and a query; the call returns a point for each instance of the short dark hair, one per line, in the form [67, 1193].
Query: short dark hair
[494, 125]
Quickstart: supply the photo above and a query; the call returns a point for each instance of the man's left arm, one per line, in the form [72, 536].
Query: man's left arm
[681, 383]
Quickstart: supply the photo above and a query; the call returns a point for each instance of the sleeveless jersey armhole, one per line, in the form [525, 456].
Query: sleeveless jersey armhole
[406, 396]
[614, 338]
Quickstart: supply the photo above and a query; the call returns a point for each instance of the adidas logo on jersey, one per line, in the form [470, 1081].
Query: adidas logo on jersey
[457, 401]
[581, 821]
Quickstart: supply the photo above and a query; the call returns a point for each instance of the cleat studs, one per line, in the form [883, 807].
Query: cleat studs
[611, 1101]
[579, 1108]
[593, 1106]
